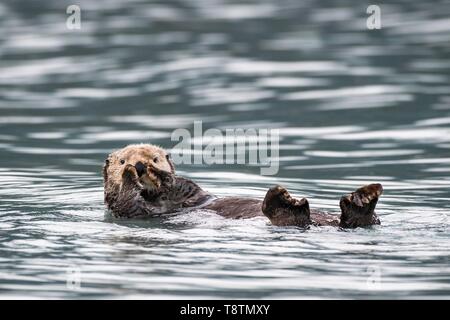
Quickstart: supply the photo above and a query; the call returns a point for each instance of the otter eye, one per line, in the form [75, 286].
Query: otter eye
[155, 159]
[122, 161]
[167, 156]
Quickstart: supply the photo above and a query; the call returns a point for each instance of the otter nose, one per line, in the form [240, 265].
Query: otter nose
[140, 168]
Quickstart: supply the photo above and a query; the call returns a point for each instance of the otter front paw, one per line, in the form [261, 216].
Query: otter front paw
[283, 210]
[167, 179]
[130, 178]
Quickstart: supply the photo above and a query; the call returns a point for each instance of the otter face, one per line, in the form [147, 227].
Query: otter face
[145, 158]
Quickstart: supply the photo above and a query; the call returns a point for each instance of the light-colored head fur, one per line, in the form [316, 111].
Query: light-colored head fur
[147, 154]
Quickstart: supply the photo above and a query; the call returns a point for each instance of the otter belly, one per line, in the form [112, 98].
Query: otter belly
[236, 208]
[244, 208]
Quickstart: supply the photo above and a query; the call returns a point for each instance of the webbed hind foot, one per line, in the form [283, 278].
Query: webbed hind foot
[284, 210]
[358, 208]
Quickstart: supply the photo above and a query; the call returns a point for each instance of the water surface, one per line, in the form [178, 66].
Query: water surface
[353, 106]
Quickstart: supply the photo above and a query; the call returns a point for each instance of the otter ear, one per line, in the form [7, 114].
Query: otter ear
[105, 170]
[169, 160]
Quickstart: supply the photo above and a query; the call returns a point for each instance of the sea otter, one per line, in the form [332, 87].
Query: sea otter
[140, 181]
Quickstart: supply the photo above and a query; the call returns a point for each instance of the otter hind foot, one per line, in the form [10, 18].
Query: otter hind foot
[284, 210]
[358, 208]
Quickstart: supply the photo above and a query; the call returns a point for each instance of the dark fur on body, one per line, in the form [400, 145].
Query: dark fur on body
[151, 188]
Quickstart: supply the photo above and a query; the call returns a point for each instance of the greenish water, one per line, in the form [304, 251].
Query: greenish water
[353, 106]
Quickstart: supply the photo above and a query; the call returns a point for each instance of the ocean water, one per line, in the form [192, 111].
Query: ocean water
[352, 106]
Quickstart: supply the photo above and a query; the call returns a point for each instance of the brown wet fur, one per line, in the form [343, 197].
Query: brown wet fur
[358, 208]
[236, 208]
[283, 210]
[140, 181]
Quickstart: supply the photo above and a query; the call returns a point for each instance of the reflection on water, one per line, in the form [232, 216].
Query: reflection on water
[352, 105]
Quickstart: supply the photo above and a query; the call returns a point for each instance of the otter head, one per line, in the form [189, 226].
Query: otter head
[146, 159]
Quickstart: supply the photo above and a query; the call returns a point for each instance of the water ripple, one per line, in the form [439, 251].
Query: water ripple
[353, 106]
